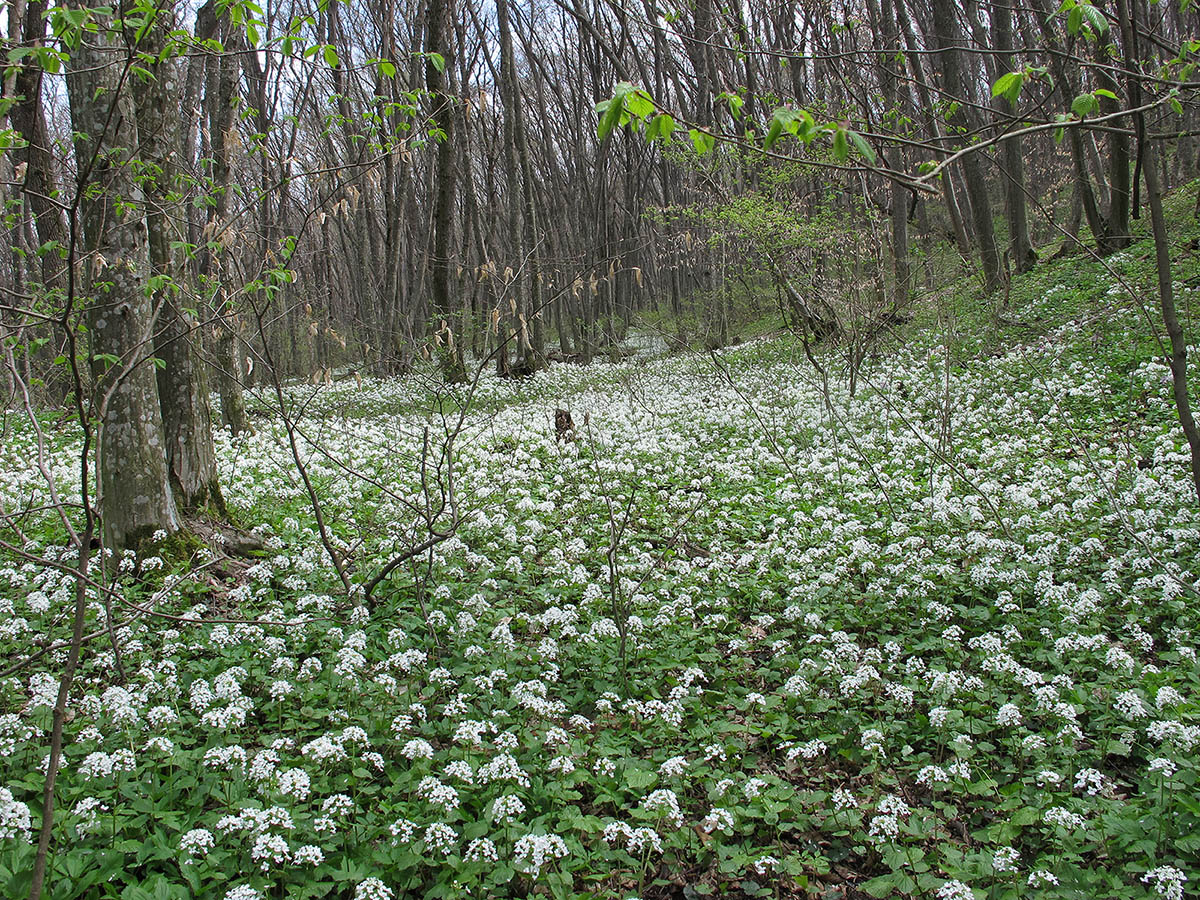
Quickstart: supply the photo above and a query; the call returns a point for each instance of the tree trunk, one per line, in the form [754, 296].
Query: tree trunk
[182, 386]
[226, 356]
[949, 40]
[1012, 163]
[135, 494]
[437, 41]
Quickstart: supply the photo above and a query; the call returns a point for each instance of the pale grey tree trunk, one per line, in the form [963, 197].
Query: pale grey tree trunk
[227, 361]
[182, 385]
[135, 495]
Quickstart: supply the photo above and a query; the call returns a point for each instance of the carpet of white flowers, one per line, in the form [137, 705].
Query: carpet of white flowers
[935, 640]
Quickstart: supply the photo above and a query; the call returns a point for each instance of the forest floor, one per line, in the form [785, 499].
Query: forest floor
[737, 638]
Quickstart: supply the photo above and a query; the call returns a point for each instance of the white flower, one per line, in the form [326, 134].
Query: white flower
[643, 839]
[673, 767]
[88, 812]
[753, 788]
[197, 843]
[1005, 859]
[295, 783]
[1041, 878]
[308, 855]
[1167, 880]
[1167, 696]
[372, 889]
[441, 837]
[337, 805]
[506, 808]
[270, 849]
[481, 850]
[1130, 705]
[718, 819]
[872, 741]
[14, 816]
[417, 749]
[884, 827]
[243, 892]
[532, 851]
[1008, 715]
[843, 799]
[664, 802]
[1090, 781]
[955, 890]
[1162, 767]
[1063, 818]
[402, 831]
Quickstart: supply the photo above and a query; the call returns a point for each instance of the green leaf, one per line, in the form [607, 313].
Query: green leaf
[666, 126]
[1009, 86]
[863, 147]
[1094, 18]
[702, 141]
[1074, 20]
[610, 110]
[841, 145]
[879, 887]
[1083, 105]
[1104, 92]
[639, 105]
[331, 57]
[773, 133]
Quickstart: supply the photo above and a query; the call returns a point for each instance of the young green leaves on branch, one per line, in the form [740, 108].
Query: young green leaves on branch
[633, 106]
[1083, 17]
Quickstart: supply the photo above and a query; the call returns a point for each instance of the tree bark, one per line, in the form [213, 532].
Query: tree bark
[135, 493]
[437, 40]
[227, 362]
[949, 40]
[182, 385]
[1012, 163]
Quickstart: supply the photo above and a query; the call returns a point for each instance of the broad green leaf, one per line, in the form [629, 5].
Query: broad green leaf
[863, 147]
[773, 133]
[639, 105]
[1083, 105]
[1074, 20]
[661, 126]
[1009, 86]
[702, 141]
[1094, 18]
[841, 145]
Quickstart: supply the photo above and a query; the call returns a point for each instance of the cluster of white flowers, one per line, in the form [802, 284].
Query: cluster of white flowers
[14, 817]
[1168, 882]
[372, 889]
[665, 804]
[533, 851]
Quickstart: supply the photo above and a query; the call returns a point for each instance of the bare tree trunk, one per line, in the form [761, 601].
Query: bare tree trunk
[1012, 163]
[135, 494]
[949, 39]
[182, 386]
[438, 40]
[227, 362]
